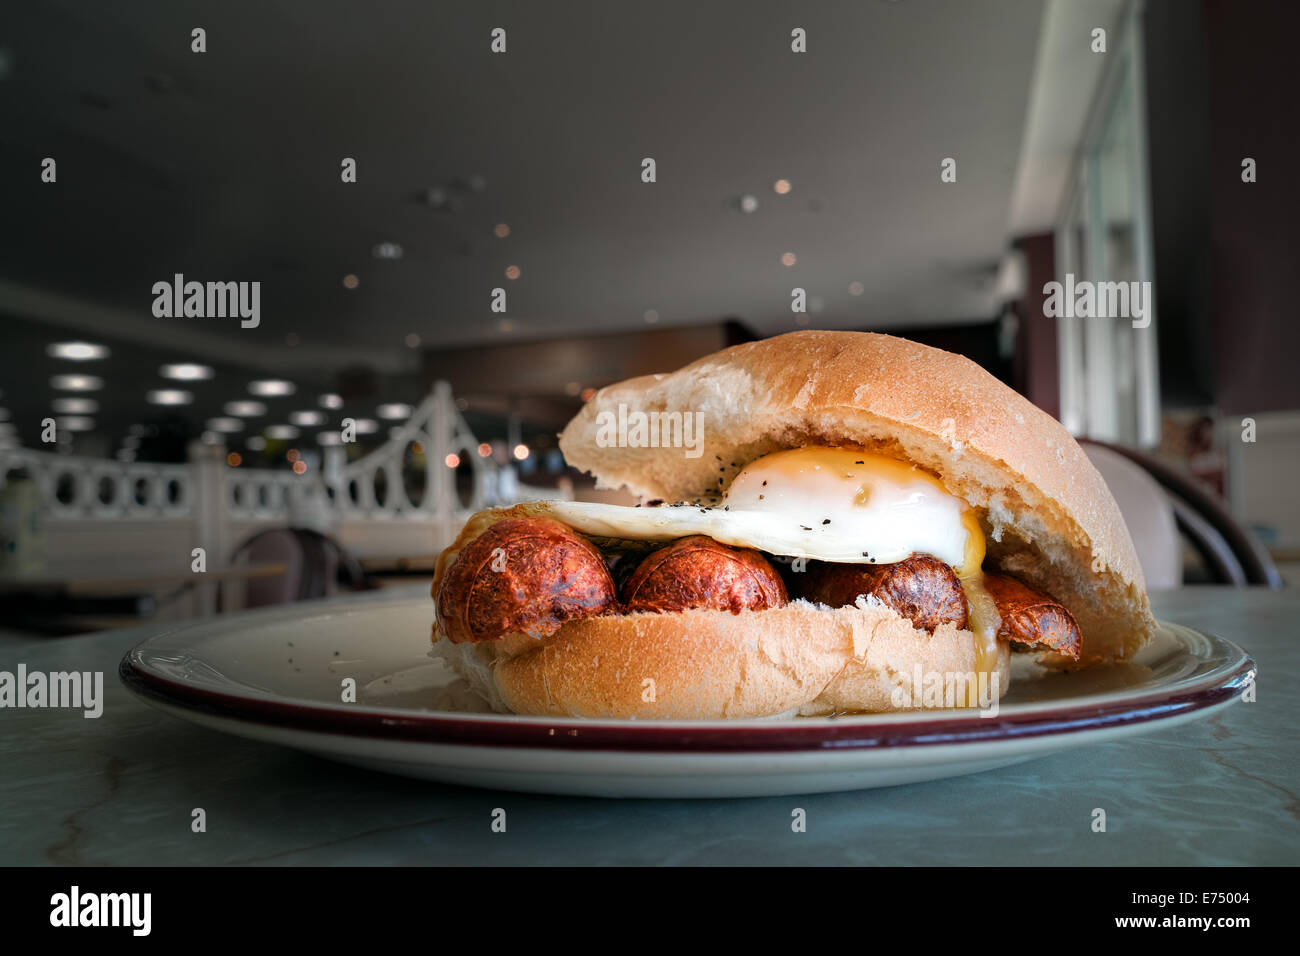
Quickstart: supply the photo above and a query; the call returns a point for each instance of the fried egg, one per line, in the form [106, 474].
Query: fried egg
[827, 504]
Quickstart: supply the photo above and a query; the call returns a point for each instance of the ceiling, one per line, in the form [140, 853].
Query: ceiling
[225, 165]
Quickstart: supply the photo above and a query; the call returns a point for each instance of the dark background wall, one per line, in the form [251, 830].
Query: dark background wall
[1254, 251]
[1221, 86]
[1178, 148]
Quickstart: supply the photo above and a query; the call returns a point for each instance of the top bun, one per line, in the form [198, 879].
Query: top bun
[1046, 511]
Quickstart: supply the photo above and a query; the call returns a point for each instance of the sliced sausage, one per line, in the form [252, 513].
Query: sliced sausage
[922, 589]
[523, 575]
[1032, 617]
[698, 572]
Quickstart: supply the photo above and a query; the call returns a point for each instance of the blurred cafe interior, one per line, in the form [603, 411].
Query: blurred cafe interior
[499, 249]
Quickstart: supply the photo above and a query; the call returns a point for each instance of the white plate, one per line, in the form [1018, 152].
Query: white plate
[276, 675]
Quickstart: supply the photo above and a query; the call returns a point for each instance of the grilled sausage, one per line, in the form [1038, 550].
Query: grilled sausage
[698, 572]
[523, 575]
[921, 588]
[1031, 617]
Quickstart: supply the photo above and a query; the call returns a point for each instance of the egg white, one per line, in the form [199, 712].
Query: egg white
[811, 503]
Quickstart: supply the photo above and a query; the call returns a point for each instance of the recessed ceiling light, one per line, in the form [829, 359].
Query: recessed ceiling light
[77, 423]
[244, 409]
[506, 325]
[186, 372]
[77, 383]
[281, 432]
[855, 288]
[386, 250]
[69, 406]
[512, 272]
[330, 400]
[748, 203]
[271, 386]
[484, 449]
[224, 425]
[76, 351]
[521, 452]
[651, 316]
[394, 411]
[788, 259]
[350, 281]
[501, 231]
[169, 396]
[307, 418]
[412, 341]
[781, 187]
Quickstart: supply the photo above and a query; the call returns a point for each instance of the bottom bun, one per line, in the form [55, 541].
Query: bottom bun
[704, 665]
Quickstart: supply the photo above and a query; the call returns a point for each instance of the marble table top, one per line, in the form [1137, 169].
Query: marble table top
[119, 790]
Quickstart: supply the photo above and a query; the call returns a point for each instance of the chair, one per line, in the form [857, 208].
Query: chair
[312, 561]
[1228, 550]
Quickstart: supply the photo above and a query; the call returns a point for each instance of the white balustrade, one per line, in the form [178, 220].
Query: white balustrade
[371, 487]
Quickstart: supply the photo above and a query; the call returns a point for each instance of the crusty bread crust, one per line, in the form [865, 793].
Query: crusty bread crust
[704, 665]
[1046, 510]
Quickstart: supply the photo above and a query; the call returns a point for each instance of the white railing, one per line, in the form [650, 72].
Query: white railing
[74, 487]
[372, 487]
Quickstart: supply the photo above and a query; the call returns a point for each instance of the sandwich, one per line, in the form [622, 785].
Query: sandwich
[856, 520]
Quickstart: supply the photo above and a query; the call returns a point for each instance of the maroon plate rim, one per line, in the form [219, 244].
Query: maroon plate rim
[663, 736]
